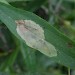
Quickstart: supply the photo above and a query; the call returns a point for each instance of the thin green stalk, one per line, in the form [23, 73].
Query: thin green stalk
[69, 72]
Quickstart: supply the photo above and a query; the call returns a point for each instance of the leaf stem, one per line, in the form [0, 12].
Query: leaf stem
[69, 72]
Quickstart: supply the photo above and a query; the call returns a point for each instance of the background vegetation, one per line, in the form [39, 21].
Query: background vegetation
[58, 21]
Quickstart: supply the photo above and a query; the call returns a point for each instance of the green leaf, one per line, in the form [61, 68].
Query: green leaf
[9, 61]
[17, 0]
[11, 57]
[34, 5]
[65, 47]
[4, 1]
[71, 0]
[29, 57]
[29, 6]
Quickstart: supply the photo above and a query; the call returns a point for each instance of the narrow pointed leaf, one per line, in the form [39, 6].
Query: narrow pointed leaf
[65, 47]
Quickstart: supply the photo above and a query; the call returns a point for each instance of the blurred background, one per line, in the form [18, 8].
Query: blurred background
[61, 15]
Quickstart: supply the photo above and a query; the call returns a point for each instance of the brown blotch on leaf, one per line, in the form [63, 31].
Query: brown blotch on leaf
[20, 22]
[70, 45]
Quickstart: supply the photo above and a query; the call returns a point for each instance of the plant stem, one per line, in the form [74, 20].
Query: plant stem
[69, 73]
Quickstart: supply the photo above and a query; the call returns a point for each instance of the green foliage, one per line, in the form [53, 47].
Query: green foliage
[17, 57]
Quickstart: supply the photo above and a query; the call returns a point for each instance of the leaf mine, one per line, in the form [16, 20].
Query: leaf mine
[34, 37]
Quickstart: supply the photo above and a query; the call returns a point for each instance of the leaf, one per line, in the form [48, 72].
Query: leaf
[34, 5]
[71, 0]
[9, 61]
[17, 0]
[29, 58]
[4, 1]
[66, 54]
